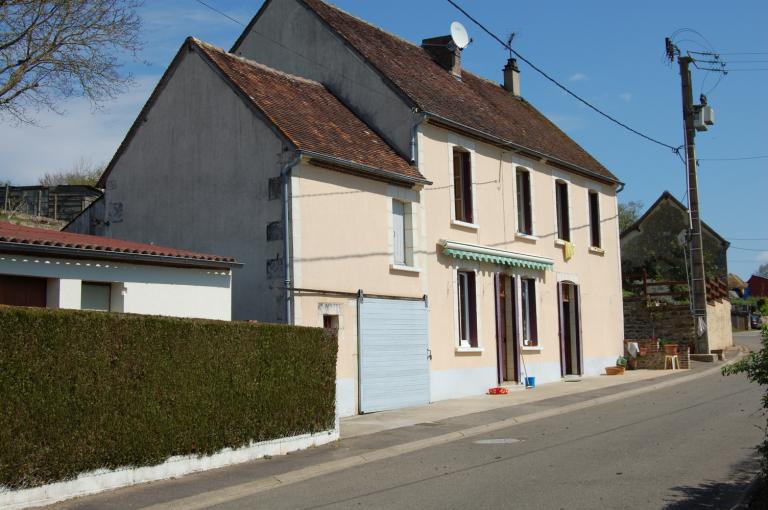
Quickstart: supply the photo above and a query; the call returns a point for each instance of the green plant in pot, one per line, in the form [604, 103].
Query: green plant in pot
[670, 346]
[621, 362]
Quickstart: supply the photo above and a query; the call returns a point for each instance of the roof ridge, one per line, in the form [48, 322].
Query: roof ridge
[253, 63]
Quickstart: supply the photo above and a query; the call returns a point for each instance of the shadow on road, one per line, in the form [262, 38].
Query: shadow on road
[718, 494]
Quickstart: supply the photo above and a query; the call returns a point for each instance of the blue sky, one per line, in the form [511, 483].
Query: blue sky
[611, 53]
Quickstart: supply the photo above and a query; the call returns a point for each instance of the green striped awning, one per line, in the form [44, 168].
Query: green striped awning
[463, 251]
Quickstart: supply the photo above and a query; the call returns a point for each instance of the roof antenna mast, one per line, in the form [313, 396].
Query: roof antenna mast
[509, 43]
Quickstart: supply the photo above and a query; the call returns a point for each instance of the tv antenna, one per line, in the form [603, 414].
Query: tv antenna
[509, 43]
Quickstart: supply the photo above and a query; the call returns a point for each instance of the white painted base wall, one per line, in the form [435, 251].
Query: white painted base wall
[104, 479]
[346, 397]
[543, 372]
[461, 382]
[596, 366]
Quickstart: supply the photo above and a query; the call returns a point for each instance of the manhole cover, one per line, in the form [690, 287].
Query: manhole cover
[498, 441]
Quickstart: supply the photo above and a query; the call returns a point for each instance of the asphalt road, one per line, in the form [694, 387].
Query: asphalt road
[687, 446]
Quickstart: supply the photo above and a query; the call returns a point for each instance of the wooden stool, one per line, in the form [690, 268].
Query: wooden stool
[673, 360]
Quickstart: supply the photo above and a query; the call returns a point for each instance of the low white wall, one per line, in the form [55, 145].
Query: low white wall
[461, 382]
[146, 289]
[103, 479]
[346, 397]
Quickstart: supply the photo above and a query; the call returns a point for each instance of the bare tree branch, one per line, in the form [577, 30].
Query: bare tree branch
[51, 50]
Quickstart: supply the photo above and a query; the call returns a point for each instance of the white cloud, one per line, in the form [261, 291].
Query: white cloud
[626, 97]
[59, 141]
[578, 77]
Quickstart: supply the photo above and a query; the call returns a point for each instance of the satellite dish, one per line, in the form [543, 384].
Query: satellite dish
[459, 35]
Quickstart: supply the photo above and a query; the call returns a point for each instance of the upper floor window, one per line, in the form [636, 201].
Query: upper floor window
[563, 219]
[524, 216]
[402, 233]
[594, 219]
[462, 186]
[467, 302]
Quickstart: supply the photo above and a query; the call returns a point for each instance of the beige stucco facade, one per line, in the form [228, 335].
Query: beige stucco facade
[342, 238]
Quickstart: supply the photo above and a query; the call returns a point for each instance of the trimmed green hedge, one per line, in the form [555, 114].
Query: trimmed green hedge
[87, 390]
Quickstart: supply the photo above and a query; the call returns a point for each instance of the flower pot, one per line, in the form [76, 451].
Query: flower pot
[614, 370]
[670, 349]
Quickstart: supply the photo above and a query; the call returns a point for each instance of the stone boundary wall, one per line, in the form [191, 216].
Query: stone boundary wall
[662, 321]
[654, 359]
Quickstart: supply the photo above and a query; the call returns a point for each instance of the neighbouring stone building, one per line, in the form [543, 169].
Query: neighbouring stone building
[653, 243]
[653, 250]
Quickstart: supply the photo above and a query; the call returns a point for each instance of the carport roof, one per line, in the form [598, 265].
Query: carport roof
[21, 239]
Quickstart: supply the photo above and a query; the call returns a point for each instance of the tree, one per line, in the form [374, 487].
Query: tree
[755, 366]
[762, 270]
[51, 50]
[82, 172]
[628, 214]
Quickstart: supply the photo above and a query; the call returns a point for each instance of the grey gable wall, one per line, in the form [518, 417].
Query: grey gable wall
[195, 176]
[293, 39]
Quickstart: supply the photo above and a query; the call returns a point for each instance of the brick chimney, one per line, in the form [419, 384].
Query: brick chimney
[512, 77]
[445, 53]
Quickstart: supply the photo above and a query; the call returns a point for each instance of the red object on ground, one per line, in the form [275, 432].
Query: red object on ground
[498, 391]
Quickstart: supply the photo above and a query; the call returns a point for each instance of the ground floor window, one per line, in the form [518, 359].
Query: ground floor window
[528, 312]
[95, 296]
[467, 307]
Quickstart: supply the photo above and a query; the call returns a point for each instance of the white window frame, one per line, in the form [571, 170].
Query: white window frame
[407, 262]
[518, 231]
[537, 302]
[464, 345]
[557, 209]
[470, 149]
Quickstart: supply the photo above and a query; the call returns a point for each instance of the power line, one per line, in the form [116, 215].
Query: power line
[749, 238]
[557, 83]
[733, 53]
[214, 9]
[763, 156]
[748, 249]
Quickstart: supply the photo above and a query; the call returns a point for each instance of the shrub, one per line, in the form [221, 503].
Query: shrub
[755, 366]
[87, 390]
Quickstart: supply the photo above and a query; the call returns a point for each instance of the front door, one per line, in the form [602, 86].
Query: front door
[571, 352]
[506, 330]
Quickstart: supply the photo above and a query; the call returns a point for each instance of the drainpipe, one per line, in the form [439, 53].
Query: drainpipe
[285, 175]
[420, 117]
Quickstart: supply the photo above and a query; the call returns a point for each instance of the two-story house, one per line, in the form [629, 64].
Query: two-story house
[455, 237]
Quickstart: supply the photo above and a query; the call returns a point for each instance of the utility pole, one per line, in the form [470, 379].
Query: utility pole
[698, 276]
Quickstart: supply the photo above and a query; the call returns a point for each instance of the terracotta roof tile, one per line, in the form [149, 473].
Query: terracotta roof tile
[308, 114]
[10, 233]
[471, 101]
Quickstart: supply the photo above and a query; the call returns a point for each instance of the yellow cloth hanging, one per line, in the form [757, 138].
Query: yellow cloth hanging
[567, 250]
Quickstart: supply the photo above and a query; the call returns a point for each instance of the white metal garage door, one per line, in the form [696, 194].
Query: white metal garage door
[394, 350]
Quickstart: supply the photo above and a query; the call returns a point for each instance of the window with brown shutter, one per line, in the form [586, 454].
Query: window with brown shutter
[563, 220]
[524, 216]
[467, 301]
[462, 186]
[594, 219]
[528, 308]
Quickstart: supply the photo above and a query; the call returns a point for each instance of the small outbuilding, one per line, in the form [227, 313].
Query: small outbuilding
[51, 269]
